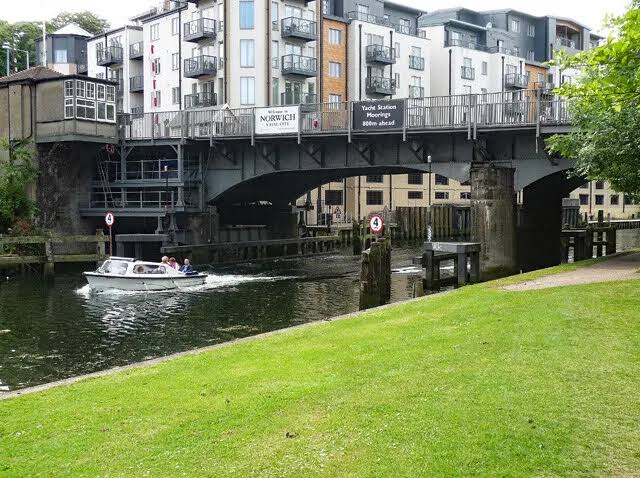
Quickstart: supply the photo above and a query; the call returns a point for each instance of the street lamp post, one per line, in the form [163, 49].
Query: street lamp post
[8, 48]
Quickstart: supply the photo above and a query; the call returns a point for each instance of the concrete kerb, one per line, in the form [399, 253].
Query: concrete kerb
[159, 360]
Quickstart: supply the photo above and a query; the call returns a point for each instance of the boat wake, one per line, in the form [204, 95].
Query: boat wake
[213, 281]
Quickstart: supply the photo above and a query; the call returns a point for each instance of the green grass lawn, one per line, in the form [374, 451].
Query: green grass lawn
[479, 382]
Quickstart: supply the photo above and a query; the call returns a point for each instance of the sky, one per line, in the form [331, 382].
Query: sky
[588, 12]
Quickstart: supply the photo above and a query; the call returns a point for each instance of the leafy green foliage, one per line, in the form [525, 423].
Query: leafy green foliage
[87, 20]
[17, 173]
[605, 105]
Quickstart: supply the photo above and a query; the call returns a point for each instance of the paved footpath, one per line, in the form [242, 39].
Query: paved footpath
[623, 267]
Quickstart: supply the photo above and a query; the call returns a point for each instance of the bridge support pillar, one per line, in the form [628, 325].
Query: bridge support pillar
[493, 216]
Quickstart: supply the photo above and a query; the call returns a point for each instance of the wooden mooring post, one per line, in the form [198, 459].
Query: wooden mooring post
[375, 274]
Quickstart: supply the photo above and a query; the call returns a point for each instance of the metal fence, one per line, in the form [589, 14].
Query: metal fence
[524, 108]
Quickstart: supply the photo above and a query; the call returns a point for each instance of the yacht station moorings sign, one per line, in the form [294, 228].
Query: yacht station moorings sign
[277, 120]
[378, 114]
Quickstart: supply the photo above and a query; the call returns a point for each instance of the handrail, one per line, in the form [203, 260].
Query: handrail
[470, 111]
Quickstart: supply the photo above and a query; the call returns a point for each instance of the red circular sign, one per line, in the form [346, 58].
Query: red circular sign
[376, 224]
[109, 219]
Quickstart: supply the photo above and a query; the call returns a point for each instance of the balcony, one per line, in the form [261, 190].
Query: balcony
[381, 54]
[468, 73]
[378, 85]
[416, 63]
[465, 43]
[110, 56]
[136, 51]
[200, 29]
[136, 84]
[200, 100]
[516, 81]
[299, 65]
[402, 29]
[199, 66]
[416, 91]
[299, 29]
[82, 68]
[562, 42]
[291, 98]
[137, 110]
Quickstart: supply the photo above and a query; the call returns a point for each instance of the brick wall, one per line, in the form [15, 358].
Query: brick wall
[337, 54]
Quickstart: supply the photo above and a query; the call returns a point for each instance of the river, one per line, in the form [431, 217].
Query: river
[51, 331]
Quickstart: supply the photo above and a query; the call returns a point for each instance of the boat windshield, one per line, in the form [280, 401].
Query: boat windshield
[113, 267]
[149, 269]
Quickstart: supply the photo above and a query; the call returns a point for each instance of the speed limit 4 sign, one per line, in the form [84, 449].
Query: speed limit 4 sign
[109, 219]
[376, 224]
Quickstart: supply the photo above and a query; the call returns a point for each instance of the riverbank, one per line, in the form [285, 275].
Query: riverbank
[480, 381]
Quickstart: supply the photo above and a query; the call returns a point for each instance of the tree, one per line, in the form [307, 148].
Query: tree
[605, 107]
[87, 20]
[17, 173]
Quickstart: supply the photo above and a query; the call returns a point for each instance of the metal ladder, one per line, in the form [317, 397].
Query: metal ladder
[104, 179]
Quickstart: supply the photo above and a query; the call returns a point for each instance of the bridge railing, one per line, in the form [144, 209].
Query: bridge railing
[464, 112]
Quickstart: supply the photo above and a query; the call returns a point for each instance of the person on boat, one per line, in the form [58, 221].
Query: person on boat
[165, 261]
[173, 263]
[186, 267]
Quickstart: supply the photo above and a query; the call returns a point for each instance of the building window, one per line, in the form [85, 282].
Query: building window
[362, 9]
[155, 66]
[515, 25]
[111, 94]
[247, 15]
[79, 89]
[335, 36]
[247, 90]
[442, 195]
[375, 178]
[531, 30]
[175, 26]
[599, 184]
[60, 56]
[247, 53]
[275, 90]
[465, 195]
[615, 200]
[584, 199]
[516, 51]
[175, 95]
[414, 178]
[68, 89]
[415, 195]
[91, 91]
[155, 31]
[485, 68]
[375, 198]
[627, 200]
[156, 99]
[101, 92]
[335, 98]
[599, 199]
[442, 180]
[275, 56]
[85, 109]
[175, 61]
[531, 56]
[333, 198]
[68, 108]
[335, 69]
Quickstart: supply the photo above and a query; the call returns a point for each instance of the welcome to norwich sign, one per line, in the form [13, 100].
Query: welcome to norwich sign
[277, 120]
[378, 115]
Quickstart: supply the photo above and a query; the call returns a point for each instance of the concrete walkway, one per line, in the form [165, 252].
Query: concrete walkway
[622, 267]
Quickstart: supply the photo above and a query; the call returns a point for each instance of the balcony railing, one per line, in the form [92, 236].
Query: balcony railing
[200, 29]
[137, 110]
[198, 66]
[136, 84]
[381, 54]
[299, 65]
[468, 73]
[136, 51]
[468, 113]
[300, 28]
[109, 56]
[119, 86]
[200, 100]
[464, 43]
[416, 91]
[379, 85]
[402, 29]
[291, 98]
[416, 63]
[563, 42]
[516, 80]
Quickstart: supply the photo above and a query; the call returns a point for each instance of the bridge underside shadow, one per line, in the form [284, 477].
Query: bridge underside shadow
[540, 224]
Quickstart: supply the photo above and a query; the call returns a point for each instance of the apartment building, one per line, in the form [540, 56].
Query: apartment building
[597, 196]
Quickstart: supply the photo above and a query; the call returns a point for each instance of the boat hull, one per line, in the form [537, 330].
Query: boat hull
[149, 283]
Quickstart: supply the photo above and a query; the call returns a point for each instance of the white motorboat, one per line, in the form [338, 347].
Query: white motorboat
[124, 273]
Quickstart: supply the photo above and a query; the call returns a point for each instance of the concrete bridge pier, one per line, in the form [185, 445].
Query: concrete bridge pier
[493, 217]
